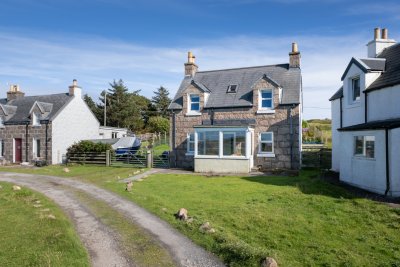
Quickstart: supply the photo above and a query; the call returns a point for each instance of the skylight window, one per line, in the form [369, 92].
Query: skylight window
[232, 88]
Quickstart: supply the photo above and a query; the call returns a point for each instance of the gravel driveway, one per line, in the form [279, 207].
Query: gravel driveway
[98, 239]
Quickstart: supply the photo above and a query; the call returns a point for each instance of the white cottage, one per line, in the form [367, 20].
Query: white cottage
[366, 119]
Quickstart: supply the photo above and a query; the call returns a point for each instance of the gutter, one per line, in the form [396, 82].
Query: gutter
[291, 135]
[174, 135]
[366, 107]
[46, 144]
[387, 161]
[26, 142]
[341, 112]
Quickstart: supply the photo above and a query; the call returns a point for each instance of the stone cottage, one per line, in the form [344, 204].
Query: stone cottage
[43, 127]
[234, 120]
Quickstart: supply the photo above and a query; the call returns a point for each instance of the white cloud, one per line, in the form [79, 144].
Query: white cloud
[47, 64]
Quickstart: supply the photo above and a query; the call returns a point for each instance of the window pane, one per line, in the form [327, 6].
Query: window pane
[266, 94]
[191, 137]
[229, 144]
[208, 143]
[37, 148]
[195, 106]
[194, 98]
[358, 145]
[234, 143]
[266, 147]
[266, 103]
[191, 147]
[240, 146]
[266, 137]
[356, 89]
[370, 146]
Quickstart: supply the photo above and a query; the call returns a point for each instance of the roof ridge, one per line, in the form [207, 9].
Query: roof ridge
[273, 65]
[45, 95]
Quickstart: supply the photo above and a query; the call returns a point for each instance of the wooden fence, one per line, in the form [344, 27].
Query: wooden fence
[316, 156]
[100, 158]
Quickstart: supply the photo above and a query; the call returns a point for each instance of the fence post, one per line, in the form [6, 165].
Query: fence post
[107, 158]
[149, 158]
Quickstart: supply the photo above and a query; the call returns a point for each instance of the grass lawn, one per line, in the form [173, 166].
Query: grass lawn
[29, 238]
[300, 221]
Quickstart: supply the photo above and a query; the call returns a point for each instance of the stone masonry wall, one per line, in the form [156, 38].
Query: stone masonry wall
[278, 123]
[10, 132]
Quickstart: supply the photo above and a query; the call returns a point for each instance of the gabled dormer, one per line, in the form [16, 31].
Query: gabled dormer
[266, 95]
[6, 112]
[195, 97]
[39, 111]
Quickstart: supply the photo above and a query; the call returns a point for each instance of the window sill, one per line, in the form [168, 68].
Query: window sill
[266, 155]
[36, 125]
[361, 157]
[193, 114]
[265, 111]
[189, 154]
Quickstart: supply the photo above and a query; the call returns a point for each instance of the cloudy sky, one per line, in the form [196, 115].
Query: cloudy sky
[44, 44]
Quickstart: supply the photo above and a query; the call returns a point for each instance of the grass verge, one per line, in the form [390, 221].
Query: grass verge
[28, 237]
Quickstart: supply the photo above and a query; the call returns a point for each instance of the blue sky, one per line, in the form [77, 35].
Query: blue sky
[44, 44]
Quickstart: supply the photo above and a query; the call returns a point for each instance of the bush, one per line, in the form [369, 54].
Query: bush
[89, 146]
[158, 124]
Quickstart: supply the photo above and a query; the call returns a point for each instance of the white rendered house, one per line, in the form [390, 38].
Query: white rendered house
[366, 119]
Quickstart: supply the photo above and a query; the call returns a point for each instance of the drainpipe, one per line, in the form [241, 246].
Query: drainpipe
[387, 161]
[47, 128]
[366, 108]
[341, 112]
[212, 116]
[26, 142]
[291, 136]
[174, 135]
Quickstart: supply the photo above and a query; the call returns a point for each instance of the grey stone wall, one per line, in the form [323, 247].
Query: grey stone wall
[278, 123]
[10, 132]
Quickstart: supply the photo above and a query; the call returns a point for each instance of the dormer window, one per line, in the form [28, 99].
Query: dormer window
[355, 89]
[35, 119]
[1, 121]
[266, 100]
[232, 88]
[194, 103]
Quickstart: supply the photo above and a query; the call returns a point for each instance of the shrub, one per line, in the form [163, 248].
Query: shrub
[88, 146]
[158, 124]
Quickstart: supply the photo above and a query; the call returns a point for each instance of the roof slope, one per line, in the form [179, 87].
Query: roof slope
[217, 83]
[391, 76]
[52, 104]
[337, 95]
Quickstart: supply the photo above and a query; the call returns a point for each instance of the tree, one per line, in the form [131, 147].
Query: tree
[92, 105]
[158, 124]
[124, 109]
[161, 101]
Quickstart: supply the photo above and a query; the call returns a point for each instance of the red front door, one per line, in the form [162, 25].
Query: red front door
[18, 149]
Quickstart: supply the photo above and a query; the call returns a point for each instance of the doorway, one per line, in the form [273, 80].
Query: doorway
[18, 150]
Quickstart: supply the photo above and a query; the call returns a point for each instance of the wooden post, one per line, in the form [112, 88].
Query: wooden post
[149, 158]
[107, 157]
[165, 137]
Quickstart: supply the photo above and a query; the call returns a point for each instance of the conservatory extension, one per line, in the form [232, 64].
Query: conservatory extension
[223, 149]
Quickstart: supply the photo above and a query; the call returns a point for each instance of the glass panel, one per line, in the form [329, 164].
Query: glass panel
[358, 145]
[266, 94]
[266, 103]
[229, 144]
[194, 98]
[266, 147]
[191, 147]
[234, 143]
[208, 143]
[195, 106]
[240, 146]
[356, 89]
[266, 137]
[370, 146]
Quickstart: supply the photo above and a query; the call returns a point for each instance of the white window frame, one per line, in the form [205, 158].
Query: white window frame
[264, 153]
[188, 141]
[364, 148]
[352, 79]
[234, 141]
[114, 135]
[1, 121]
[262, 109]
[35, 119]
[190, 110]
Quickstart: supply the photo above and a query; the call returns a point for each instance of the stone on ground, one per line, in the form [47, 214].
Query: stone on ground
[66, 170]
[16, 187]
[182, 214]
[129, 186]
[268, 262]
[51, 216]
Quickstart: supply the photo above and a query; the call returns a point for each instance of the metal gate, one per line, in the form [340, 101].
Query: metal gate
[136, 160]
[160, 159]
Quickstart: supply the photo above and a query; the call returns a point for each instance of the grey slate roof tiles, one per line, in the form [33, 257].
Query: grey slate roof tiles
[51, 104]
[337, 95]
[217, 82]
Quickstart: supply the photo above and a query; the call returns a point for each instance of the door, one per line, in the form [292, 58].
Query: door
[18, 149]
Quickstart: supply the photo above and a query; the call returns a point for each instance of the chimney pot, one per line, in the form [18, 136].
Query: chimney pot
[376, 33]
[14, 92]
[384, 33]
[295, 49]
[74, 82]
[294, 57]
[190, 66]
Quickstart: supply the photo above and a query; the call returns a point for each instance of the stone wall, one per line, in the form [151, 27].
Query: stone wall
[10, 132]
[277, 122]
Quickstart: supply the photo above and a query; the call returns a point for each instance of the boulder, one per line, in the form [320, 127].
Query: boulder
[16, 187]
[129, 186]
[66, 170]
[51, 216]
[268, 262]
[205, 227]
[182, 214]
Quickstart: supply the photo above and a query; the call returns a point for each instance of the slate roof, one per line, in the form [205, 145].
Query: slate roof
[366, 65]
[217, 82]
[391, 75]
[374, 125]
[51, 104]
[337, 95]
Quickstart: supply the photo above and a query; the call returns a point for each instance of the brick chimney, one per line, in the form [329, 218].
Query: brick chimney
[74, 89]
[190, 66]
[380, 42]
[294, 57]
[14, 92]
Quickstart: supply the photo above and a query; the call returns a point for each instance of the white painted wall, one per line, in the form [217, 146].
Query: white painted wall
[394, 155]
[75, 122]
[106, 132]
[222, 165]
[375, 47]
[369, 174]
[335, 109]
[353, 113]
[384, 103]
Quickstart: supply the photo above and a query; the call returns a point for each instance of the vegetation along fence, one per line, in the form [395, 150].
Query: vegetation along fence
[87, 158]
[316, 156]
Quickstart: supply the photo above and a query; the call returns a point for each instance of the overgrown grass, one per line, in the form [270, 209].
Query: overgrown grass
[300, 221]
[28, 237]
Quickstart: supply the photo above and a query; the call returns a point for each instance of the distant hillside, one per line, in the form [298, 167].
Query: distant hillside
[317, 131]
[324, 121]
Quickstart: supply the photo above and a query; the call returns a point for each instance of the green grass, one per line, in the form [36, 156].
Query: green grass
[29, 238]
[300, 221]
